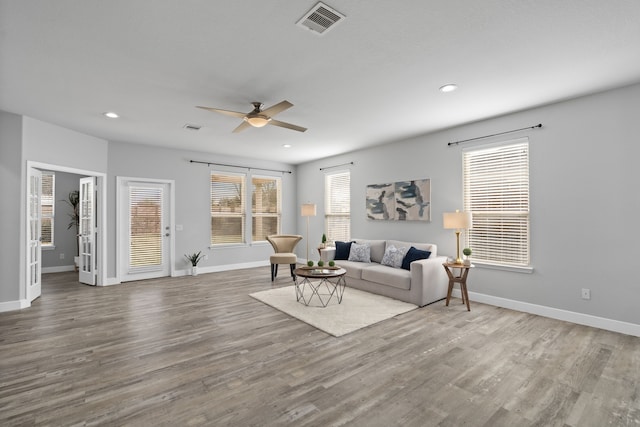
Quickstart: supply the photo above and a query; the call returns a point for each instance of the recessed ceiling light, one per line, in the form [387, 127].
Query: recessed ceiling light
[286, 145]
[448, 87]
[111, 115]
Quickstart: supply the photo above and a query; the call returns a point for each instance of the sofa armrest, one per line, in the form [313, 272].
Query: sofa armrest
[430, 278]
[327, 254]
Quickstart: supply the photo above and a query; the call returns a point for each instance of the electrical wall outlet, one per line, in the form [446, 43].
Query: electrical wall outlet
[586, 293]
[205, 257]
[61, 256]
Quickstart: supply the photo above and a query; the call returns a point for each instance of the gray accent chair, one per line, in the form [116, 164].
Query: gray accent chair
[283, 245]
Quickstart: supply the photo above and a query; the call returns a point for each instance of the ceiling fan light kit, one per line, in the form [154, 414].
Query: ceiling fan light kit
[257, 121]
[258, 117]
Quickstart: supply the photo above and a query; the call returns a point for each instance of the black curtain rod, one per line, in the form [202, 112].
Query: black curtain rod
[238, 166]
[336, 166]
[539, 125]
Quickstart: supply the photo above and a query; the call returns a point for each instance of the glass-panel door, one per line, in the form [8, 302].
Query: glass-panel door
[87, 231]
[34, 250]
[145, 238]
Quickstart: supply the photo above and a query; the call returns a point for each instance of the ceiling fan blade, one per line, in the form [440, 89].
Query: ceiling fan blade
[278, 108]
[242, 126]
[225, 112]
[286, 125]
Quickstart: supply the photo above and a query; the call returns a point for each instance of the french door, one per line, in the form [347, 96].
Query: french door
[87, 231]
[145, 237]
[34, 252]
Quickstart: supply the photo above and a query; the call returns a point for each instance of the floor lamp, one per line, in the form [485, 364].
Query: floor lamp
[458, 221]
[308, 209]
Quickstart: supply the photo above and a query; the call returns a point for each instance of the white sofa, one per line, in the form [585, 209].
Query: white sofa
[425, 282]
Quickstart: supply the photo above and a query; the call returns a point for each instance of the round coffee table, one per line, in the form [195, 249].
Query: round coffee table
[320, 284]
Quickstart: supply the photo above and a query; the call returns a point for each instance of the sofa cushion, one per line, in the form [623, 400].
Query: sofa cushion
[422, 246]
[377, 248]
[342, 250]
[354, 269]
[394, 277]
[360, 253]
[393, 256]
[413, 254]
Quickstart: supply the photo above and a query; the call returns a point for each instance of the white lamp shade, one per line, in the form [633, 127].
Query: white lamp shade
[457, 220]
[308, 209]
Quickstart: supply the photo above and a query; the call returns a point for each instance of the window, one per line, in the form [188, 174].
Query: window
[227, 208]
[496, 191]
[265, 207]
[338, 206]
[145, 227]
[48, 208]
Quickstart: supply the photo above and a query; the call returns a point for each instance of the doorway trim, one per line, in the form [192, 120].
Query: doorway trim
[101, 220]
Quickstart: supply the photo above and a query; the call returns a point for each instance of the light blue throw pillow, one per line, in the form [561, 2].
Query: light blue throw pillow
[393, 256]
[360, 253]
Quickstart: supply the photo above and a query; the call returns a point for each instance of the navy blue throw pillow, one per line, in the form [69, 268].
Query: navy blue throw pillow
[414, 254]
[342, 250]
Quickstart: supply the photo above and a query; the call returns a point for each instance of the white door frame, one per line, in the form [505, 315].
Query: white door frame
[101, 220]
[120, 180]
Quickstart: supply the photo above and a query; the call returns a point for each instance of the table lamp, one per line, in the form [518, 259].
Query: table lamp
[457, 221]
[308, 209]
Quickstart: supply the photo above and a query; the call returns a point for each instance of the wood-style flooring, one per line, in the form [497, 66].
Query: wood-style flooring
[198, 351]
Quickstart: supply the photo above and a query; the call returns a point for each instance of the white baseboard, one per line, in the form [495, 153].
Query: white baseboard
[58, 269]
[218, 268]
[556, 313]
[14, 305]
[111, 281]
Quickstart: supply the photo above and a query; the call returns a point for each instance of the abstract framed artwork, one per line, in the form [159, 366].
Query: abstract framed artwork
[400, 201]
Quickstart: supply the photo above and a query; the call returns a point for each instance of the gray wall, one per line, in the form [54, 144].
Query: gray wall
[10, 210]
[64, 239]
[584, 200]
[192, 199]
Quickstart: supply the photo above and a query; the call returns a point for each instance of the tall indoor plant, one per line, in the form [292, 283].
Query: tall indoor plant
[73, 200]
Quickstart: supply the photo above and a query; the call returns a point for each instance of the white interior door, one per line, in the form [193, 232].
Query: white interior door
[34, 249]
[87, 231]
[145, 230]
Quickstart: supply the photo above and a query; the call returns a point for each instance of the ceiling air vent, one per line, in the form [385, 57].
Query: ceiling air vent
[191, 127]
[320, 19]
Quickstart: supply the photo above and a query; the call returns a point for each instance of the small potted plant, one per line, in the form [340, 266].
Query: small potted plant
[324, 241]
[194, 259]
[467, 254]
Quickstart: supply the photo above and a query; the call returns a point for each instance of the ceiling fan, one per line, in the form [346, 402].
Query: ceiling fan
[259, 117]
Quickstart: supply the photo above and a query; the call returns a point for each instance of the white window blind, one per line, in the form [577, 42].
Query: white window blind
[496, 191]
[145, 213]
[47, 203]
[338, 206]
[265, 207]
[227, 208]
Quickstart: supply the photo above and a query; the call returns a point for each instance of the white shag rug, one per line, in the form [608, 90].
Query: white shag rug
[357, 310]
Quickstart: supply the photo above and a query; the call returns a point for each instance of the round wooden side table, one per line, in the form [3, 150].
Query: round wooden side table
[458, 277]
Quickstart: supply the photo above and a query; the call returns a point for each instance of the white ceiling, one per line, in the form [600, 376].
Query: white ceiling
[372, 79]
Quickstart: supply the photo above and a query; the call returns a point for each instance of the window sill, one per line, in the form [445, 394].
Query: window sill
[511, 268]
[48, 248]
[228, 246]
